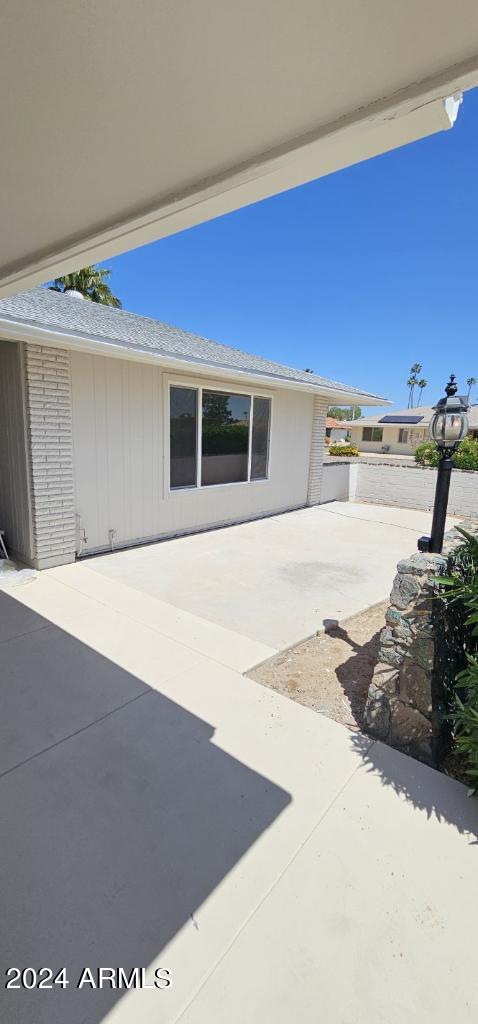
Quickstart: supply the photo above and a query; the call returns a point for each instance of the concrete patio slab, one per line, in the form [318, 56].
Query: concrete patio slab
[50, 687]
[130, 825]
[363, 925]
[196, 634]
[125, 830]
[277, 865]
[140, 649]
[17, 620]
[275, 580]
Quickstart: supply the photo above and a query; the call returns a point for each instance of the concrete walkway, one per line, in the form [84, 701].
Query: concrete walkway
[160, 810]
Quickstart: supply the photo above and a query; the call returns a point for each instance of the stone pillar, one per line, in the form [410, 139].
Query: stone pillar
[406, 696]
[316, 463]
[399, 703]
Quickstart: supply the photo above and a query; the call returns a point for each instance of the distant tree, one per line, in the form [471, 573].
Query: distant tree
[471, 381]
[308, 370]
[338, 413]
[91, 282]
[413, 382]
[422, 384]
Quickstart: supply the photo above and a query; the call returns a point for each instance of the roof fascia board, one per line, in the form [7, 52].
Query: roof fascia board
[11, 330]
[413, 113]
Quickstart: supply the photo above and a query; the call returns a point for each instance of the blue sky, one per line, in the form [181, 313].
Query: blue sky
[357, 275]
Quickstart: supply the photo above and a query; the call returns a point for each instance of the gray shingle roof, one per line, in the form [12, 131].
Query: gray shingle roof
[72, 316]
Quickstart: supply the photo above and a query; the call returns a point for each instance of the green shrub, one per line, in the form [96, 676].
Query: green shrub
[466, 457]
[426, 454]
[465, 719]
[461, 589]
[348, 450]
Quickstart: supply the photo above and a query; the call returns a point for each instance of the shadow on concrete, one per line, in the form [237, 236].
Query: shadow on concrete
[355, 674]
[427, 789]
[119, 817]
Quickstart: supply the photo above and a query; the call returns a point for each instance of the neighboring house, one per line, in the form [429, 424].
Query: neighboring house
[337, 430]
[399, 432]
[118, 429]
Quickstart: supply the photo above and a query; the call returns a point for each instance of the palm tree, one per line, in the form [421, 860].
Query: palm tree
[91, 282]
[412, 382]
[471, 382]
[410, 385]
[421, 384]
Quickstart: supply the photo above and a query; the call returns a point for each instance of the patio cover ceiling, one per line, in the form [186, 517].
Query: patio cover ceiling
[124, 122]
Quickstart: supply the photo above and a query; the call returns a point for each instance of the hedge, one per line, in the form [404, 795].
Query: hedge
[348, 450]
[466, 457]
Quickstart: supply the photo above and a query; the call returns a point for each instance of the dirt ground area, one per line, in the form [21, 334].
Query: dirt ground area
[331, 672]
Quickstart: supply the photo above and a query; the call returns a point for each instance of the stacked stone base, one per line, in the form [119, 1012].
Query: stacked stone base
[399, 703]
[419, 656]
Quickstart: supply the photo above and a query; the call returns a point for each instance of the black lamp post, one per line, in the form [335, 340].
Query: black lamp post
[449, 425]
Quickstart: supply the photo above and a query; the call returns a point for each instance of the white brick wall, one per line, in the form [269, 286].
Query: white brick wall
[317, 451]
[398, 484]
[414, 487]
[48, 408]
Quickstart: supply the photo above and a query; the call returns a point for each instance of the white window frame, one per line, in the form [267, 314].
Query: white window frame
[372, 440]
[199, 386]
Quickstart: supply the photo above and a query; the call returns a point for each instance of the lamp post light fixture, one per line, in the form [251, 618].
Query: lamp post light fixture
[449, 425]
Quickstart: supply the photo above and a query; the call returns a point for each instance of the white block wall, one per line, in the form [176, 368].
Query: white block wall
[48, 412]
[316, 465]
[397, 484]
[336, 482]
[414, 487]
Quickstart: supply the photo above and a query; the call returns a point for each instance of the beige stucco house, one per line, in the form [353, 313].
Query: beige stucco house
[118, 429]
[399, 433]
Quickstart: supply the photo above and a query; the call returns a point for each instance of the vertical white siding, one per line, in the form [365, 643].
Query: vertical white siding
[117, 442]
[118, 426]
[14, 484]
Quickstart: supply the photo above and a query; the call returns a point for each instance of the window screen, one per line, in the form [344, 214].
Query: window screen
[183, 437]
[260, 438]
[225, 438]
[402, 436]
